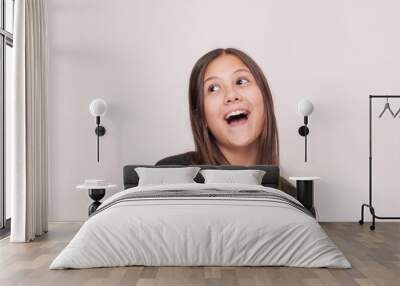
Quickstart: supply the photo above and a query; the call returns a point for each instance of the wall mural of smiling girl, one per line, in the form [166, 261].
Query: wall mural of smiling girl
[231, 113]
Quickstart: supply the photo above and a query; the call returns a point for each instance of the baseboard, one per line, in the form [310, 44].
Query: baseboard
[66, 221]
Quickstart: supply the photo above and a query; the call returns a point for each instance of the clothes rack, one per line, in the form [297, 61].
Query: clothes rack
[369, 205]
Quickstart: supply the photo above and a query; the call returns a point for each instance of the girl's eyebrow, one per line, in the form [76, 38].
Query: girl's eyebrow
[209, 78]
[236, 71]
[240, 70]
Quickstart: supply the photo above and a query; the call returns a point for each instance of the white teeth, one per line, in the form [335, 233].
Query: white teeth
[235, 112]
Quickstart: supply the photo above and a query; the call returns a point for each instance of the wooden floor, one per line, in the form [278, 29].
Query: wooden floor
[374, 255]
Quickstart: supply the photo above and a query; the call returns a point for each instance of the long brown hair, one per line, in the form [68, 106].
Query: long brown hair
[207, 151]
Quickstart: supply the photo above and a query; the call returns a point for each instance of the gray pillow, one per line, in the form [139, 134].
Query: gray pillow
[249, 177]
[160, 176]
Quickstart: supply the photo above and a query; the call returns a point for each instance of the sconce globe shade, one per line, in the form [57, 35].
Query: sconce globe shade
[98, 107]
[305, 107]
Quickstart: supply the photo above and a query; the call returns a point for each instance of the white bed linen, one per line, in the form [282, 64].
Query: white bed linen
[193, 231]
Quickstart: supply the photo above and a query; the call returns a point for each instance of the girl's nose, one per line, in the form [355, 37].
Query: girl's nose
[232, 96]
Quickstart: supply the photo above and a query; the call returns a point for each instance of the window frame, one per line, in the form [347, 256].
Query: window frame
[6, 39]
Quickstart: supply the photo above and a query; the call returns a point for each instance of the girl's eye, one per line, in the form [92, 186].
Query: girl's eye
[242, 81]
[213, 88]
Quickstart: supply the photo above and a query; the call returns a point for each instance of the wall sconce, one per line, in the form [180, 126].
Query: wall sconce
[98, 108]
[305, 108]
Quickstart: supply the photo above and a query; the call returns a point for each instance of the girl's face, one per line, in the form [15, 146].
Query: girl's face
[233, 102]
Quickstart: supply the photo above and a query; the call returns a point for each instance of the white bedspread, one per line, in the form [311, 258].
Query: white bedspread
[200, 231]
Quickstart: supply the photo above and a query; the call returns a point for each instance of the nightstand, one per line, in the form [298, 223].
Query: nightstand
[305, 191]
[96, 192]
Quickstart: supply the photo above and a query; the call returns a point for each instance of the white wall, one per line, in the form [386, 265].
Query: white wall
[138, 55]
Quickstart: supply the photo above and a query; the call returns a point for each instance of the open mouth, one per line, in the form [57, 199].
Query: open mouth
[237, 117]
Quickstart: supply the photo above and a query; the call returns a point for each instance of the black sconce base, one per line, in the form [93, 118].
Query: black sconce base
[100, 130]
[303, 130]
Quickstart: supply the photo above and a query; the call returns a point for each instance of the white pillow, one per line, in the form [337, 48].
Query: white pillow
[249, 177]
[160, 176]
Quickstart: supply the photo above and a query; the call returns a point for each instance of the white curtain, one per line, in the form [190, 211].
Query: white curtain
[27, 123]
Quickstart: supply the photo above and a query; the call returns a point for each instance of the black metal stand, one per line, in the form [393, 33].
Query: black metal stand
[369, 205]
[100, 131]
[304, 131]
[96, 195]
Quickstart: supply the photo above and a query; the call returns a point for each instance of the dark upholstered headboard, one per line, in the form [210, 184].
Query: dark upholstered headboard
[270, 179]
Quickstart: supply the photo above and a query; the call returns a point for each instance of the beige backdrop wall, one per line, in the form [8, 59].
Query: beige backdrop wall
[137, 55]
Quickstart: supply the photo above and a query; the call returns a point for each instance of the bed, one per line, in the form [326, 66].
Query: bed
[201, 224]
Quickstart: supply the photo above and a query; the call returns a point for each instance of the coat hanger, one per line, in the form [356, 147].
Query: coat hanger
[387, 107]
